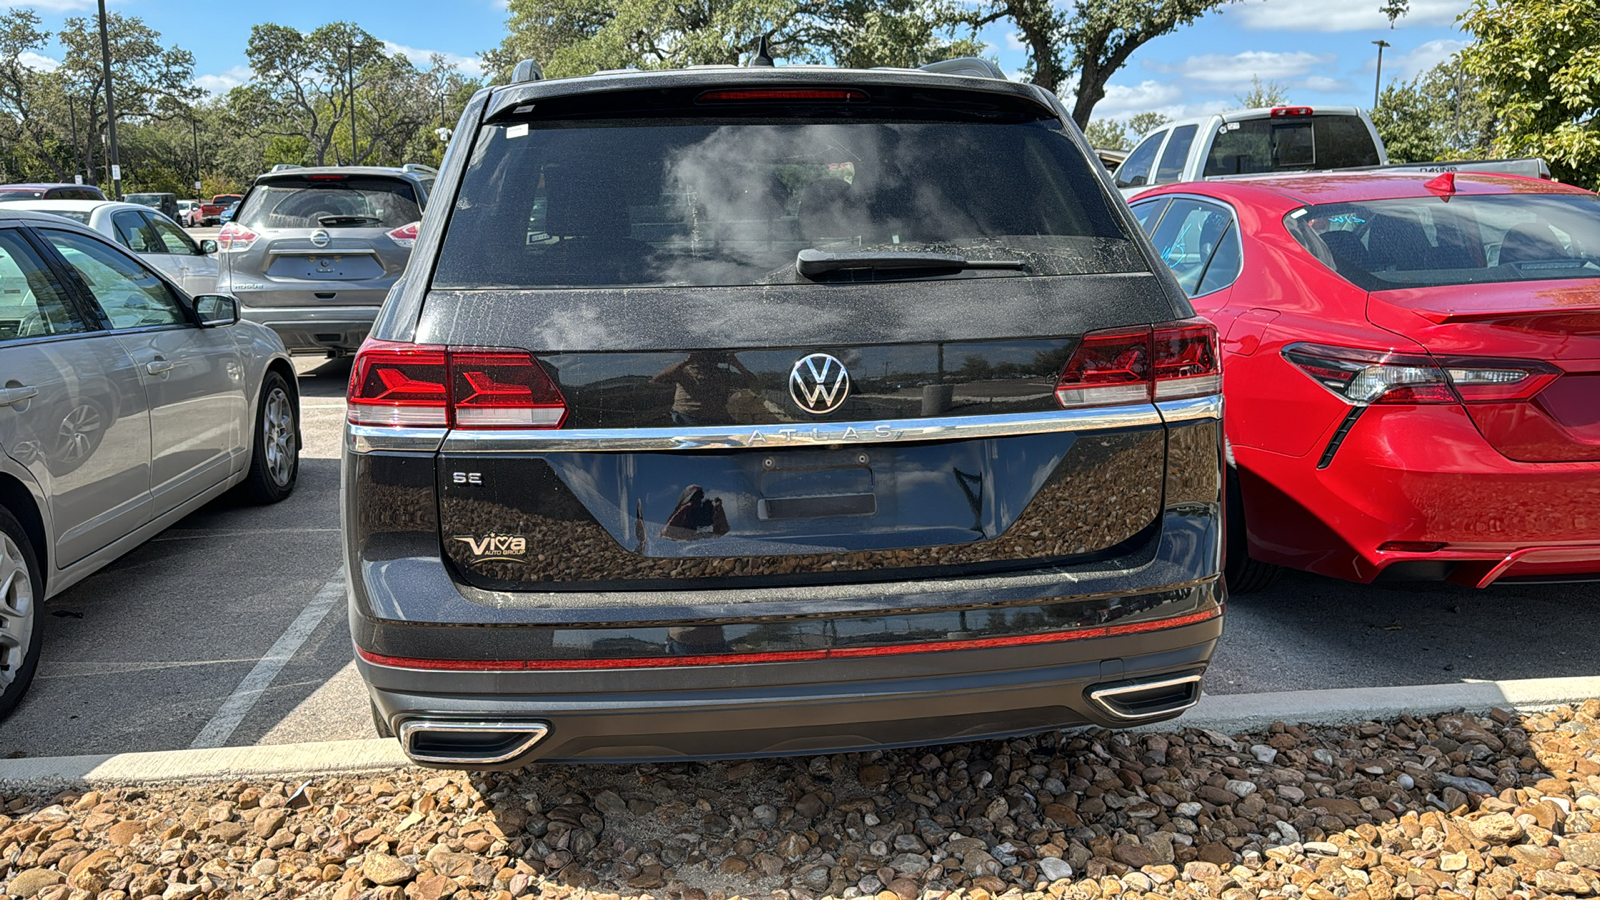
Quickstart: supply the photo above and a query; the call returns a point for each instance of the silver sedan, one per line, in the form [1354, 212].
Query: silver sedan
[125, 404]
[155, 238]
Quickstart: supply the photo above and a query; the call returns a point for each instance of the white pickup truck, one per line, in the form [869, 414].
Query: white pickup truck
[1278, 139]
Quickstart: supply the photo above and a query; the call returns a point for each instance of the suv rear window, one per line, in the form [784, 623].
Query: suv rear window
[715, 201]
[362, 202]
[1481, 239]
[1292, 143]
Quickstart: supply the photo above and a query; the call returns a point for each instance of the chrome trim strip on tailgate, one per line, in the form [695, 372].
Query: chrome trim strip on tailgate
[366, 439]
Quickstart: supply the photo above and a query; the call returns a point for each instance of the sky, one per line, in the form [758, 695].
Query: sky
[1321, 50]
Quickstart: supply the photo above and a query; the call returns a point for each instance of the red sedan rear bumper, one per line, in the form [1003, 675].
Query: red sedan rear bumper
[1421, 485]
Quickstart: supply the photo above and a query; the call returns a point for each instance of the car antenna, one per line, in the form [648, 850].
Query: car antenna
[761, 58]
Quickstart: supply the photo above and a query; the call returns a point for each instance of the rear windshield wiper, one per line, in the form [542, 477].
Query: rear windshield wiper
[812, 263]
[347, 221]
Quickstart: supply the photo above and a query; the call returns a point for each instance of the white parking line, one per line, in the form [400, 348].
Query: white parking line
[244, 697]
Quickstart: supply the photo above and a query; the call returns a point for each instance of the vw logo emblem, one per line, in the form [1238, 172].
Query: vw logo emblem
[319, 239]
[819, 383]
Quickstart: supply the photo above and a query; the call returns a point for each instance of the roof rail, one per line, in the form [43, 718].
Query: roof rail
[283, 167]
[419, 167]
[527, 70]
[970, 66]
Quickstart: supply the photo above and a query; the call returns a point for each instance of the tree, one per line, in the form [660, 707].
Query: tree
[303, 82]
[1146, 122]
[1439, 115]
[1262, 94]
[1539, 65]
[1108, 134]
[1406, 119]
[1087, 40]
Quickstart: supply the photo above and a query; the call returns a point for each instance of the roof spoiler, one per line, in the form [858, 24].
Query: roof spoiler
[970, 66]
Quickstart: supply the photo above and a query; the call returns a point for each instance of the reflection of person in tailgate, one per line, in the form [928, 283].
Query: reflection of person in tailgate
[705, 381]
[695, 517]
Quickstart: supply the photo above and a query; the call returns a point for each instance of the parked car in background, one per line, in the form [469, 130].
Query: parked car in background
[158, 240]
[227, 213]
[312, 252]
[1412, 371]
[764, 411]
[50, 192]
[166, 204]
[1111, 159]
[1277, 140]
[189, 213]
[211, 211]
[125, 406]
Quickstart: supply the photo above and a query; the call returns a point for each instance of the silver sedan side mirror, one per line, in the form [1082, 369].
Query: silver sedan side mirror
[216, 310]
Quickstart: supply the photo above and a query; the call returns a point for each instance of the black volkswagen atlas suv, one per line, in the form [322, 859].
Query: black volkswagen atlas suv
[759, 411]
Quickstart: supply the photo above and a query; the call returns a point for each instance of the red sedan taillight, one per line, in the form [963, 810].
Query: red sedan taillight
[1364, 377]
[424, 386]
[1137, 365]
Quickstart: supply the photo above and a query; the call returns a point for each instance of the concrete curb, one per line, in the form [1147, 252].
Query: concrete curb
[1226, 713]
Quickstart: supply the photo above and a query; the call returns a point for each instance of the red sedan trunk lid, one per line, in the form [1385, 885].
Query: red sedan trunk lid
[1556, 322]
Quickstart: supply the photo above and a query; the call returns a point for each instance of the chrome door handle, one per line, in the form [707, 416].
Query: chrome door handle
[12, 396]
[161, 366]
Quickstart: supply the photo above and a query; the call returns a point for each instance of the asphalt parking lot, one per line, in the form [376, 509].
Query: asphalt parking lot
[229, 629]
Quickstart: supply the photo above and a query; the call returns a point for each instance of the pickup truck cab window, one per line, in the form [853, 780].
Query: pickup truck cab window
[1135, 171]
[1175, 155]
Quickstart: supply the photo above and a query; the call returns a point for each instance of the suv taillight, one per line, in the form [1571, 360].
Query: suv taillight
[1136, 365]
[405, 235]
[426, 386]
[1364, 377]
[234, 237]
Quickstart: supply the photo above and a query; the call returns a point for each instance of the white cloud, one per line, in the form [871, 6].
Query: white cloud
[1123, 100]
[1322, 84]
[1238, 70]
[1407, 66]
[222, 83]
[471, 66]
[59, 6]
[1014, 42]
[1319, 15]
[38, 61]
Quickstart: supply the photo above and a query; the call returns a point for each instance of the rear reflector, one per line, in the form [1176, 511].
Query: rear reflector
[769, 95]
[426, 386]
[1135, 365]
[1410, 546]
[781, 656]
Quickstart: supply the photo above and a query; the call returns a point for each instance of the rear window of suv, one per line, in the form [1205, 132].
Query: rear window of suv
[331, 202]
[711, 201]
[1474, 239]
[1292, 143]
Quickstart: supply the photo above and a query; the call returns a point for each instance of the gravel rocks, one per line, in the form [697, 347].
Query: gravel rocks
[1380, 811]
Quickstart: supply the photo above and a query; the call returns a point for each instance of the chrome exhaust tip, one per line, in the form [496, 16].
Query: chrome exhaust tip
[455, 742]
[1138, 700]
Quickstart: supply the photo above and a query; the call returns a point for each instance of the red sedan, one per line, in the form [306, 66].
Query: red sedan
[1411, 369]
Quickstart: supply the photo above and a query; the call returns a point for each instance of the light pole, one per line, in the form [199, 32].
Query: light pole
[350, 83]
[1377, 83]
[77, 160]
[194, 128]
[111, 107]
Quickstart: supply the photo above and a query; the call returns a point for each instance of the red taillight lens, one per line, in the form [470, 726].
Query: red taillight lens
[1137, 365]
[399, 384]
[405, 235]
[1186, 361]
[424, 386]
[503, 389]
[1362, 377]
[235, 237]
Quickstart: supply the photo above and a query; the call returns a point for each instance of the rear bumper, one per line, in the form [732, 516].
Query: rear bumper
[1422, 476]
[786, 708]
[326, 328]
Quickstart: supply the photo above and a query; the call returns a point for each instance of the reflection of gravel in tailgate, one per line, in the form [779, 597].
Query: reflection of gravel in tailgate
[1104, 494]
[1450, 807]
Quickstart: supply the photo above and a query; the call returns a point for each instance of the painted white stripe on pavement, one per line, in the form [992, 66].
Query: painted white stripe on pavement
[244, 697]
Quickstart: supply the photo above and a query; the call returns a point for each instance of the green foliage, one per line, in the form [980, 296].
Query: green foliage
[1394, 9]
[1108, 134]
[1146, 122]
[1539, 64]
[1439, 115]
[1263, 94]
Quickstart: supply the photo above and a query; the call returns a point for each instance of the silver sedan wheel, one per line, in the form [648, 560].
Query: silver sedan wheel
[16, 611]
[277, 437]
